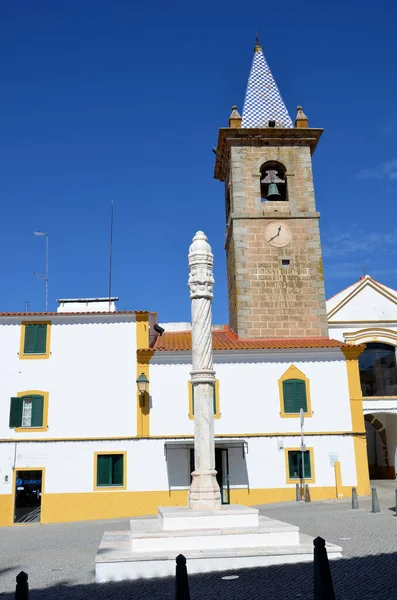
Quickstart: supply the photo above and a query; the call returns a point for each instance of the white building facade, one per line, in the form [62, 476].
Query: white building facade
[86, 444]
[366, 313]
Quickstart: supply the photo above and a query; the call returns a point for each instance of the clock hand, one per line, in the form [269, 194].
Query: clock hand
[277, 234]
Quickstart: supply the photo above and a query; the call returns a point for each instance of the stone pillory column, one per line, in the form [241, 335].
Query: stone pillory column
[204, 493]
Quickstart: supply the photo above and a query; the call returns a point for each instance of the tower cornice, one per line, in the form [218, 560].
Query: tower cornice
[269, 136]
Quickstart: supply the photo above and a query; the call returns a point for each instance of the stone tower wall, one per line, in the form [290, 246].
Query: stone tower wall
[267, 299]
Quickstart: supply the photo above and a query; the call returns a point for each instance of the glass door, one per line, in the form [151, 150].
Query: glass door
[28, 486]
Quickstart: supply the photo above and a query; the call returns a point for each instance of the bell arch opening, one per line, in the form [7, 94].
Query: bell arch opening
[273, 182]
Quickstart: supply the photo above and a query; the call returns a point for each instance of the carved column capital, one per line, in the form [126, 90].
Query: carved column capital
[201, 261]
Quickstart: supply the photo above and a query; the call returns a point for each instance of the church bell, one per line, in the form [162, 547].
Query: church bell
[272, 191]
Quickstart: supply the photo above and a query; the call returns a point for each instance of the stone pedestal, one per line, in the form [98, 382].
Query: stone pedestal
[232, 537]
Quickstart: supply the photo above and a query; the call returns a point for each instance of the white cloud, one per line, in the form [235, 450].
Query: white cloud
[359, 243]
[386, 171]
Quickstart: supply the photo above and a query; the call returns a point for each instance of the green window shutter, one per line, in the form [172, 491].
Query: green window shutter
[118, 469]
[104, 469]
[35, 339]
[294, 393]
[300, 395]
[215, 398]
[15, 412]
[30, 339]
[37, 411]
[41, 339]
[288, 394]
[293, 465]
[306, 462]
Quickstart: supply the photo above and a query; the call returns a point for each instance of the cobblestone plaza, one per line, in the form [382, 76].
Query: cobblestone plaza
[59, 558]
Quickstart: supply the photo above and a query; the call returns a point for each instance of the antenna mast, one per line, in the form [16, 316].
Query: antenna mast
[111, 253]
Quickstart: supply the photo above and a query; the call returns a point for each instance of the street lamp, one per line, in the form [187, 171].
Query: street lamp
[41, 233]
[143, 384]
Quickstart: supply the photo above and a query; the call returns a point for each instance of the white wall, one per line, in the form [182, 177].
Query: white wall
[70, 465]
[249, 392]
[368, 305]
[90, 376]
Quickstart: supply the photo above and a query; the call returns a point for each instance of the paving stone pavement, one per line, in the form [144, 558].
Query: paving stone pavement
[60, 558]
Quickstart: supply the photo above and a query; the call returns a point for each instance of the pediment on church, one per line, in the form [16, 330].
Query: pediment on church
[366, 300]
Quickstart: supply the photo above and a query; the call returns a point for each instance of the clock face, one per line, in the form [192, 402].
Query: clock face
[278, 235]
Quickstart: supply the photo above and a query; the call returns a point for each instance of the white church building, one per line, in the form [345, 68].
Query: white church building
[366, 313]
[97, 409]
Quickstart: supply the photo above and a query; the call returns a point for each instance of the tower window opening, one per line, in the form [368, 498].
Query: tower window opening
[228, 207]
[273, 182]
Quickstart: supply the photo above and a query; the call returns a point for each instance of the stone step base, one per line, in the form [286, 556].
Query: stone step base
[176, 518]
[115, 560]
[148, 536]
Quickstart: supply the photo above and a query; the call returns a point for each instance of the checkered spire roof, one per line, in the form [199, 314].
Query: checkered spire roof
[263, 102]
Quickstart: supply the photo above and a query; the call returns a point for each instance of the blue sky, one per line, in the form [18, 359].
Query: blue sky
[123, 100]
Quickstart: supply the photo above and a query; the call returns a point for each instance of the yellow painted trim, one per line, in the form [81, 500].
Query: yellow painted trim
[376, 398]
[371, 334]
[217, 415]
[110, 488]
[142, 366]
[338, 480]
[296, 480]
[358, 322]
[357, 415]
[66, 507]
[45, 411]
[366, 282]
[294, 373]
[142, 330]
[14, 490]
[23, 356]
[184, 437]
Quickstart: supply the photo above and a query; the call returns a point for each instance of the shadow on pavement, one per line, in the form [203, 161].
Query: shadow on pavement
[363, 578]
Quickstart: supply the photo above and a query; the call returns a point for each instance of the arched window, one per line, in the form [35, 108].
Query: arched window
[378, 370]
[273, 182]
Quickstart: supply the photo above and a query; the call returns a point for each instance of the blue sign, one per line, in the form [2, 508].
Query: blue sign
[31, 481]
[19, 481]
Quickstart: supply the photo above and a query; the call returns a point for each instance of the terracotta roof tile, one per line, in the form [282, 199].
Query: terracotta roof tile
[68, 314]
[180, 341]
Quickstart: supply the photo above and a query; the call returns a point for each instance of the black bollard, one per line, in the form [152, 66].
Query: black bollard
[354, 498]
[307, 493]
[181, 579]
[323, 586]
[375, 508]
[298, 493]
[22, 587]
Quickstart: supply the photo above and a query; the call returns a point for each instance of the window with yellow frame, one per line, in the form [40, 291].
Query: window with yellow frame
[35, 340]
[294, 391]
[216, 403]
[295, 459]
[110, 470]
[29, 411]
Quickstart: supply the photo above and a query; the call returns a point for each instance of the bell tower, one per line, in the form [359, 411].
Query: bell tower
[274, 261]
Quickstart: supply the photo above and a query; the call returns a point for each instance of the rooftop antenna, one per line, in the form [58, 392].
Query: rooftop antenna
[111, 253]
[26, 305]
[365, 268]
